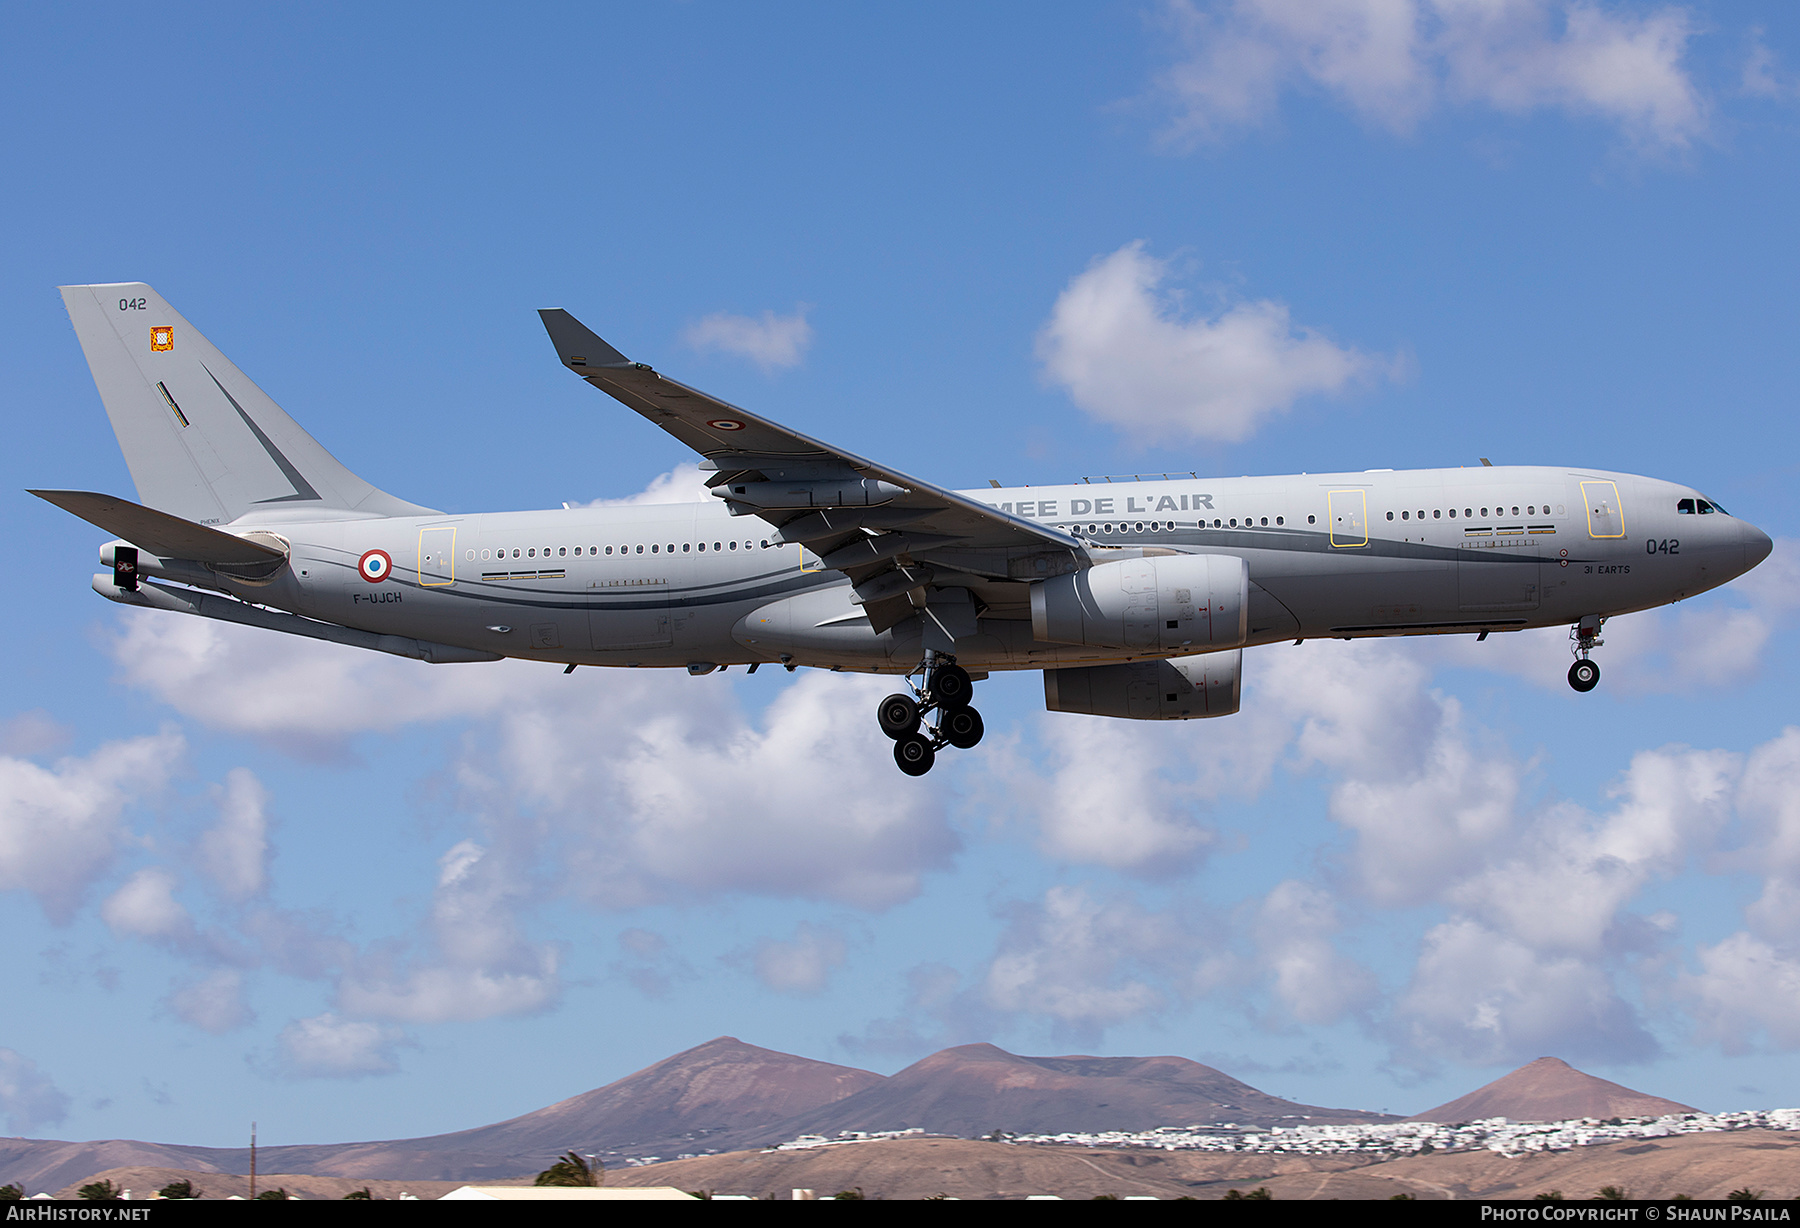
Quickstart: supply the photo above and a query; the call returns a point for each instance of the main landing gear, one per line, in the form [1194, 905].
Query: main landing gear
[945, 690]
[1584, 675]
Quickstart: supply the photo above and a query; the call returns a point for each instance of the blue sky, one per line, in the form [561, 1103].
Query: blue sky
[350, 898]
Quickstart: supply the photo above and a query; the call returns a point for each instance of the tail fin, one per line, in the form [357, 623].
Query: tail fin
[202, 441]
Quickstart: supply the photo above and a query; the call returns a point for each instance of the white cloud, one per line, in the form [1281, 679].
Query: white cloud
[802, 966]
[146, 907]
[213, 1003]
[682, 484]
[1128, 358]
[483, 966]
[769, 340]
[1072, 792]
[1314, 980]
[1068, 958]
[1394, 62]
[1746, 986]
[60, 827]
[328, 1047]
[235, 850]
[29, 1098]
[1485, 998]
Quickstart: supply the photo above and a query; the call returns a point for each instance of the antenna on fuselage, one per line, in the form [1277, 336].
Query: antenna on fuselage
[1486, 463]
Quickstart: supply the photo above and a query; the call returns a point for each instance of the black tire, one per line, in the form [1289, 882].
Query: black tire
[914, 754]
[951, 688]
[1584, 675]
[962, 728]
[898, 715]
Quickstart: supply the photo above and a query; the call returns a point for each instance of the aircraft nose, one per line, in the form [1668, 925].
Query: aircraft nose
[1756, 545]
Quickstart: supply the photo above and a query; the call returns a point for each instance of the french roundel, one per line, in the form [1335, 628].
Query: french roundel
[726, 424]
[375, 566]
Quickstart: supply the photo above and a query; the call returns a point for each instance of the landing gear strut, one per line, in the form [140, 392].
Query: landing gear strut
[1584, 675]
[945, 689]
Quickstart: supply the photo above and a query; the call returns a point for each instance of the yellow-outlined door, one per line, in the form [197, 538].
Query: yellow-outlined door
[437, 558]
[1605, 515]
[1349, 518]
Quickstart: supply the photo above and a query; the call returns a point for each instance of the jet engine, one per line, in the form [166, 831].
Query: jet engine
[1167, 603]
[1182, 690]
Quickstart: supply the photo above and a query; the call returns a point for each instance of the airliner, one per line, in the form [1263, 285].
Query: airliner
[1134, 596]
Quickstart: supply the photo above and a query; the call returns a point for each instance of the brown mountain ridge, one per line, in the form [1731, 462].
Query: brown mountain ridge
[726, 1095]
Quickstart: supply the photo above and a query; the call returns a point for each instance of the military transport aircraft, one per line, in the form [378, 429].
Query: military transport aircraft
[1135, 597]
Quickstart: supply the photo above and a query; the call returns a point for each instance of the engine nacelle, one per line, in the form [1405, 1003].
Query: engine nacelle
[1167, 603]
[1182, 690]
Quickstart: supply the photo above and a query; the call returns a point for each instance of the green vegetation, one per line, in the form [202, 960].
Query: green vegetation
[11, 1193]
[572, 1169]
[1611, 1193]
[179, 1189]
[99, 1191]
[855, 1195]
[280, 1195]
[1548, 1196]
[1745, 1194]
[1260, 1193]
[361, 1195]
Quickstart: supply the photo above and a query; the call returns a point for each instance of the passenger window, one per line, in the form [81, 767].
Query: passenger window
[640, 549]
[734, 545]
[1390, 515]
[686, 546]
[1280, 520]
[1437, 513]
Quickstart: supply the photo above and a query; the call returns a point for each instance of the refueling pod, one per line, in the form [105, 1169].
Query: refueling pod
[1168, 603]
[1181, 690]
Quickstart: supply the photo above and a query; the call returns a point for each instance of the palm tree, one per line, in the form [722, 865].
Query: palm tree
[179, 1189]
[572, 1169]
[99, 1191]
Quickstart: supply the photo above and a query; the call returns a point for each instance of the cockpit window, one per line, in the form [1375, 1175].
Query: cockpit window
[1707, 509]
[1685, 507]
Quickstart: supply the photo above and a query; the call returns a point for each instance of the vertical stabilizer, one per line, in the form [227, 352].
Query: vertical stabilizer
[201, 440]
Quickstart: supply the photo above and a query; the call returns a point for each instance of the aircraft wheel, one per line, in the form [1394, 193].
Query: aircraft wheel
[899, 715]
[963, 728]
[914, 755]
[1584, 675]
[951, 688]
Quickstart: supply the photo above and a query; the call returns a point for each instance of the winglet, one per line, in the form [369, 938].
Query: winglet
[580, 350]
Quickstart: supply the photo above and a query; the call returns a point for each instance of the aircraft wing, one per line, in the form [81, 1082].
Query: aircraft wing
[860, 517]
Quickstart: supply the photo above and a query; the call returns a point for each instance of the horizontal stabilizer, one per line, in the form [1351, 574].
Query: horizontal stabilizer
[163, 535]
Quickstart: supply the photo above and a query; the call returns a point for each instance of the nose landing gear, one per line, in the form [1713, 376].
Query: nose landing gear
[946, 689]
[1584, 675]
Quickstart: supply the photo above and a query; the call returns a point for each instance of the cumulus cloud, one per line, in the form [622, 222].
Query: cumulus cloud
[329, 1047]
[29, 1098]
[682, 484]
[1070, 791]
[1395, 62]
[60, 827]
[146, 907]
[1069, 958]
[770, 341]
[1482, 997]
[483, 966]
[1127, 356]
[213, 1003]
[801, 966]
[1310, 976]
[234, 851]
